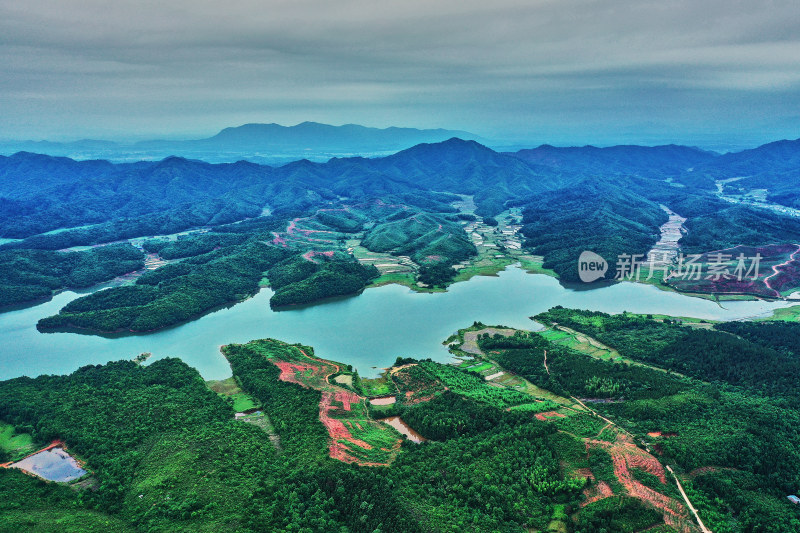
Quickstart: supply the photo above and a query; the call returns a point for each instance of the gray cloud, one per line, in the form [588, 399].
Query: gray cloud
[542, 70]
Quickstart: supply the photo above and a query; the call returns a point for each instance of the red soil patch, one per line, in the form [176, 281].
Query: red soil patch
[666, 434]
[649, 464]
[596, 492]
[421, 399]
[290, 371]
[346, 398]
[626, 455]
[309, 255]
[294, 372]
[548, 414]
[336, 428]
[278, 240]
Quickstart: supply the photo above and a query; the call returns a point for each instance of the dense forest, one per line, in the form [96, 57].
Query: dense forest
[745, 422]
[760, 359]
[27, 275]
[159, 432]
[167, 455]
[427, 238]
[598, 216]
[223, 269]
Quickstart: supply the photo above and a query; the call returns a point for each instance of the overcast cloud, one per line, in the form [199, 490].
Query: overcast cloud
[561, 71]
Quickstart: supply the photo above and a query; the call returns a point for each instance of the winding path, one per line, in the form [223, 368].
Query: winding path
[776, 272]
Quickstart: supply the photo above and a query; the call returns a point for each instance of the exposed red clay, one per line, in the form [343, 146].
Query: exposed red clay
[596, 492]
[625, 455]
[340, 435]
[549, 414]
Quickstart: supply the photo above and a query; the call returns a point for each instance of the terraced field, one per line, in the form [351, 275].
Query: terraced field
[354, 436]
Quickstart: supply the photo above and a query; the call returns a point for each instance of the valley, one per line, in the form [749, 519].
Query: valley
[289, 348]
[399, 267]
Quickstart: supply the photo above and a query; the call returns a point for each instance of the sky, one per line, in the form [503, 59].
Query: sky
[702, 72]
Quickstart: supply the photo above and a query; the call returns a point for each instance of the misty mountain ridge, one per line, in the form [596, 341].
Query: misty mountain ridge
[271, 144]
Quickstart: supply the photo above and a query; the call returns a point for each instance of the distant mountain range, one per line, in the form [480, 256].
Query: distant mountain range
[259, 143]
[40, 193]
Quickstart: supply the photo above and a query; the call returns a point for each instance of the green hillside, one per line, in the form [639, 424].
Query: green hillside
[427, 238]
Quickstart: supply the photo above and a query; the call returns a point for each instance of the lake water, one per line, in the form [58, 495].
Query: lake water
[368, 331]
[54, 464]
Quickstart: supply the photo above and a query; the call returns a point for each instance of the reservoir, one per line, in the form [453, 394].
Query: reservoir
[368, 331]
[54, 464]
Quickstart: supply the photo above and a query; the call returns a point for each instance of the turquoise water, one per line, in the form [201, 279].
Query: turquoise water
[368, 331]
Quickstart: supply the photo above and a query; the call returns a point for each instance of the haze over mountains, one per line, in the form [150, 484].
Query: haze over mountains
[259, 143]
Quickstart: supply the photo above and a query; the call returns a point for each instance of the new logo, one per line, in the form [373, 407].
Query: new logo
[591, 267]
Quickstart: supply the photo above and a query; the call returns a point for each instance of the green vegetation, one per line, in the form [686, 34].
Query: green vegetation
[143, 431]
[723, 226]
[173, 293]
[765, 360]
[192, 245]
[786, 314]
[13, 445]
[181, 291]
[625, 515]
[229, 389]
[750, 427]
[473, 385]
[381, 386]
[331, 278]
[166, 455]
[427, 238]
[781, 336]
[591, 213]
[32, 505]
[27, 275]
[436, 275]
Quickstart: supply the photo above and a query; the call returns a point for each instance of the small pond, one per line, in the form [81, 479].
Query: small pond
[54, 464]
[397, 423]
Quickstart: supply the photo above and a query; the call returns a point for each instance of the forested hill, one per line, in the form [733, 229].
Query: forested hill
[774, 167]
[769, 159]
[597, 215]
[645, 161]
[41, 193]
